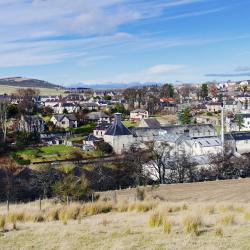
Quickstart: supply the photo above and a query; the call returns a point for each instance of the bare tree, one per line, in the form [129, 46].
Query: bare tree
[135, 159]
[182, 169]
[3, 118]
[159, 160]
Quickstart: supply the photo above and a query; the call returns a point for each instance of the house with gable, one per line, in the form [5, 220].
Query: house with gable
[64, 121]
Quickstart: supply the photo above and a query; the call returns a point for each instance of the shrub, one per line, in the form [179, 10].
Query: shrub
[73, 187]
[155, 219]
[104, 147]
[191, 224]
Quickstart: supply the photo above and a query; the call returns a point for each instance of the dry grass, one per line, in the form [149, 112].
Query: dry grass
[148, 224]
[191, 223]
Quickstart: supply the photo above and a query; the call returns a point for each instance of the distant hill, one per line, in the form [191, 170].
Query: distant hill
[113, 85]
[26, 82]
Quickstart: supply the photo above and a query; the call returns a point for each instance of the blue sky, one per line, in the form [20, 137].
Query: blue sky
[68, 42]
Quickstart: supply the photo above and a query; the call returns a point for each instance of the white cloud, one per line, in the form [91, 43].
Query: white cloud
[164, 68]
[158, 73]
[37, 32]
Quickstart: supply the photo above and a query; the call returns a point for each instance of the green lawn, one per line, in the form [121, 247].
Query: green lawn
[54, 152]
[130, 123]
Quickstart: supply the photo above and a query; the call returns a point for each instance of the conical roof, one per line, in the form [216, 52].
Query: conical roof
[118, 127]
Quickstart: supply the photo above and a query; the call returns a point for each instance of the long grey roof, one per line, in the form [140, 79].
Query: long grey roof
[71, 117]
[97, 115]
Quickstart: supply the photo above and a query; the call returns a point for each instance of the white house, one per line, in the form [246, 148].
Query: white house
[100, 130]
[138, 114]
[64, 121]
[239, 142]
[60, 108]
[192, 146]
[118, 136]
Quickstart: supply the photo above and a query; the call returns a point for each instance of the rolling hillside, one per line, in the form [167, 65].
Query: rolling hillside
[26, 82]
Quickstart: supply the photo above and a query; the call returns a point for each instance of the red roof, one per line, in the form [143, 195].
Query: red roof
[167, 99]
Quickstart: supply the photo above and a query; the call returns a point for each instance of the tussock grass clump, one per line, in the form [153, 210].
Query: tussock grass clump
[62, 215]
[227, 219]
[167, 225]
[184, 206]
[174, 208]
[210, 209]
[72, 211]
[96, 208]
[145, 206]
[191, 224]
[225, 208]
[14, 217]
[2, 222]
[52, 214]
[155, 219]
[37, 217]
[131, 207]
[247, 216]
[219, 232]
[123, 207]
[239, 209]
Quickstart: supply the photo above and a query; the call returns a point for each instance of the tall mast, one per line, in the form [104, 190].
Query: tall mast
[222, 125]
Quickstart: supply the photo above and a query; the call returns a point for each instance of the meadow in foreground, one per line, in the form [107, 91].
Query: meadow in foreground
[149, 224]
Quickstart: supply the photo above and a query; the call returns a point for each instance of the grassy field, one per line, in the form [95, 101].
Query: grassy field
[43, 91]
[180, 222]
[54, 152]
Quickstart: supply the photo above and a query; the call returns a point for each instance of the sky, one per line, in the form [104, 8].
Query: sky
[123, 41]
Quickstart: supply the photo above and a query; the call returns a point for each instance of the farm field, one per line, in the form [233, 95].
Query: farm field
[43, 91]
[180, 222]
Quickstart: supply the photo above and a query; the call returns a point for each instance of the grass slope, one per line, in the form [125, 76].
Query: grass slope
[4, 89]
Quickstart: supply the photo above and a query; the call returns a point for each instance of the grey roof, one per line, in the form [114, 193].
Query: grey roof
[97, 115]
[32, 118]
[152, 123]
[208, 142]
[65, 105]
[197, 130]
[239, 136]
[118, 128]
[71, 117]
[138, 110]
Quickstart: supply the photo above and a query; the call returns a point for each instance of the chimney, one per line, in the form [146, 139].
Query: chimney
[118, 118]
